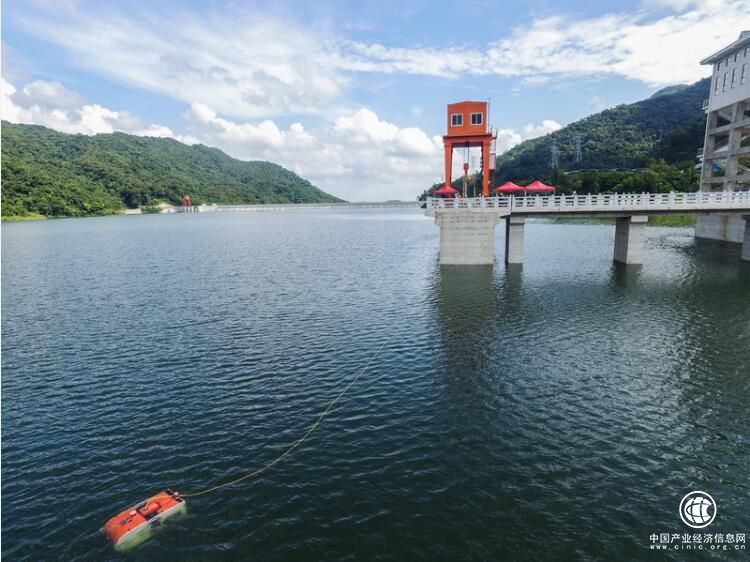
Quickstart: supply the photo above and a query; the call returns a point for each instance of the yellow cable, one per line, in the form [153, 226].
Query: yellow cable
[294, 445]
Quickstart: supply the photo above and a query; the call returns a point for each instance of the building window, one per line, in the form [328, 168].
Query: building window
[736, 54]
[734, 77]
[724, 83]
[718, 65]
[743, 75]
[457, 120]
[716, 86]
[747, 51]
[476, 118]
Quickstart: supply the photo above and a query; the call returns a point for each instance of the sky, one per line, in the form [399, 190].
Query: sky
[350, 95]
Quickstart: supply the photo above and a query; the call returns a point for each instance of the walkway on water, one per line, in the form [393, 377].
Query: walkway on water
[613, 205]
[467, 225]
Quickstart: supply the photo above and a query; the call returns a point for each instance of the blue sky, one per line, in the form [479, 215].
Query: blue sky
[350, 95]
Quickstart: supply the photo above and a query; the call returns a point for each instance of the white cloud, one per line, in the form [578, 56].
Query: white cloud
[547, 126]
[682, 5]
[240, 64]
[535, 80]
[247, 65]
[597, 104]
[508, 138]
[53, 105]
[358, 156]
[655, 49]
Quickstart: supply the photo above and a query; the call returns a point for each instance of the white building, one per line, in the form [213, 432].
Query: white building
[726, 151]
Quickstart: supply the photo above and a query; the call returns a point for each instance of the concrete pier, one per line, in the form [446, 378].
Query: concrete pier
[727, 228]
[630, 233]
[467, 236]
[746, 242]
[514, 230]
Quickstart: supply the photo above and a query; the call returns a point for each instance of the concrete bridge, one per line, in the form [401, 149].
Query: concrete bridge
[467, 225]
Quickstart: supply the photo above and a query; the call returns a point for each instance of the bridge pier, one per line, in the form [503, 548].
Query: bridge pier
[726, 228]
[514, 231]
[630, 233]
[745, 256]
[467, 236]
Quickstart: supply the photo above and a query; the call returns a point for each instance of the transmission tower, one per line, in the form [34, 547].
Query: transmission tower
[579, 155]
[553, 154]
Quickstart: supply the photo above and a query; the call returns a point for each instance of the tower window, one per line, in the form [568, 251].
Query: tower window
[476, 118]
[743, 75]
[457, 120]
[734, 77]
[724, 83]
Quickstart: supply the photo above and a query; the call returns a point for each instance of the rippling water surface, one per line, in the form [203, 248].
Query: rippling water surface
[554, 411]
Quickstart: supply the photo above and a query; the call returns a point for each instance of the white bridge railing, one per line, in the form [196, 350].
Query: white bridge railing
[470, 203]
[615, 202]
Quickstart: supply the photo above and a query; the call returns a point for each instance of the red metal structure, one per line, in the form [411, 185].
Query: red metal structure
[468, 127]
[185, 201]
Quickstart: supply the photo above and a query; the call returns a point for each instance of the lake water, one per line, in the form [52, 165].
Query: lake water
[559, 410]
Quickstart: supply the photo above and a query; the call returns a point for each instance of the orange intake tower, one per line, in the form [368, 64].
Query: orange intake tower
[468, 127]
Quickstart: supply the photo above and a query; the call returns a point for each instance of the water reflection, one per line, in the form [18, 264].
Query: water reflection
[466, 298]
[513, 289]
[625, 276]
[566, 399]
[713, 251]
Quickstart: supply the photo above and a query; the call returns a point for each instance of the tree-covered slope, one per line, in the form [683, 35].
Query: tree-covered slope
[667, 126]
[56, 174]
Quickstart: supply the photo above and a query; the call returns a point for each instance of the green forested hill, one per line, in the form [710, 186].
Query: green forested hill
[667, 126]
[56, 174]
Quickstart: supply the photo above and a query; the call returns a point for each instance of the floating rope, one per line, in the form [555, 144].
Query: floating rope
[294, 445]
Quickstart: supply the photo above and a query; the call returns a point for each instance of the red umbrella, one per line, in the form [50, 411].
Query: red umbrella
[446, 190]
[510, 187]
[537, 186]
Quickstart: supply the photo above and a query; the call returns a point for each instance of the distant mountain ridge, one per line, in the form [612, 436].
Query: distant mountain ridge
[45, 172]
[667, 126]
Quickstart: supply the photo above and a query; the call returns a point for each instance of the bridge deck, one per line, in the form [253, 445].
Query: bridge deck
[612, 205]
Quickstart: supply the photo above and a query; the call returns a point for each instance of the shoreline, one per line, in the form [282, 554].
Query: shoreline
[656, 220]
[653, 220]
